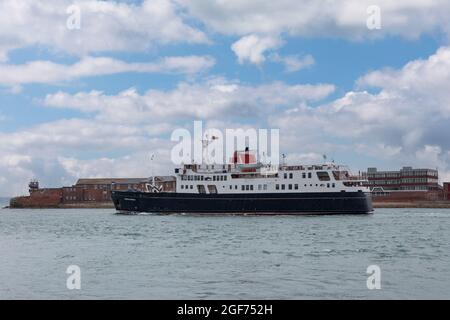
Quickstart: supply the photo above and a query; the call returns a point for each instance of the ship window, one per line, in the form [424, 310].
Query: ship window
[309, 175]
[285, 175]
[225, 178]
[296, 186]
[192, 186]
[243, 187]
[277, 187]
[290, 187]
[259, 187]
[265, 187]
[247, 187]
[304, 175]
[291, 175]
[251, 187]
[221, 178]
[333, 185]
[182, 187]
[323, 175]
[235, 187]
[212, 189]
[201, 189]
[283, 187]
[214, 178]
[201, 178]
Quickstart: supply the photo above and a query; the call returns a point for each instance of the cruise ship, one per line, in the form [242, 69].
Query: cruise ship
[246, 186]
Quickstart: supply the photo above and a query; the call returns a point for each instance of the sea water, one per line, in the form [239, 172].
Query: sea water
[224, 257]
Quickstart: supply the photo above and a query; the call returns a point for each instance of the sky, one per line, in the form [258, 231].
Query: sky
[92, 88]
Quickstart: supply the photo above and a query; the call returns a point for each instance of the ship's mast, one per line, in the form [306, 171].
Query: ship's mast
[205, 143]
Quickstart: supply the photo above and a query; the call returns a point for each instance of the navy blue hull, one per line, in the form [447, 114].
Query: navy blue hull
[268, 203]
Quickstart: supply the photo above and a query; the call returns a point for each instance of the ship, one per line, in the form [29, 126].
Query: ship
[245, 186]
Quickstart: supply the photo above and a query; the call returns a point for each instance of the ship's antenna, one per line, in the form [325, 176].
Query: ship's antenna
[152, 157]
[205, 143]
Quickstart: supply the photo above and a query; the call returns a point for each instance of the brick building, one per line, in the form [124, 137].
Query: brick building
[447, 191]
[99, 190]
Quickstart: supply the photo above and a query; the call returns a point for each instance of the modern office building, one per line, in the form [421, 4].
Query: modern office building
[405, 179]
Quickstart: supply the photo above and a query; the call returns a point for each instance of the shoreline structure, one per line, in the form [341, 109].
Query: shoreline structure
[376, 205]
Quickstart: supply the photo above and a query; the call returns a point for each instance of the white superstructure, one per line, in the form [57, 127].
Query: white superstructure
[247, 176]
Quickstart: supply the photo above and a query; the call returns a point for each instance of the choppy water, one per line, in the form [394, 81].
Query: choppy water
[188, 257]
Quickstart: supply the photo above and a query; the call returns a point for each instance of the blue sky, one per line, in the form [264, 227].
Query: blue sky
[95, 101]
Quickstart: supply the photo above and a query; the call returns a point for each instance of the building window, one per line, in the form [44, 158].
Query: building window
[259, 187]
[283, 187]
[182, 187]
[277, 187]
[243, 188]
[251, 187]
[290, 187]
[225, 178]
[192, 187]
[296, 186]
[285, 175]
[304, 175]
[291, 175]
[247, 187]
[309, 175]
[265, 187]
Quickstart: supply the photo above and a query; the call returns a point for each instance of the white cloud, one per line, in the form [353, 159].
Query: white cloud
[105, 26]
[405, 122]
[252, 48]
[50, 72]
[293, 63]
[306, 18]
[215, 98]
